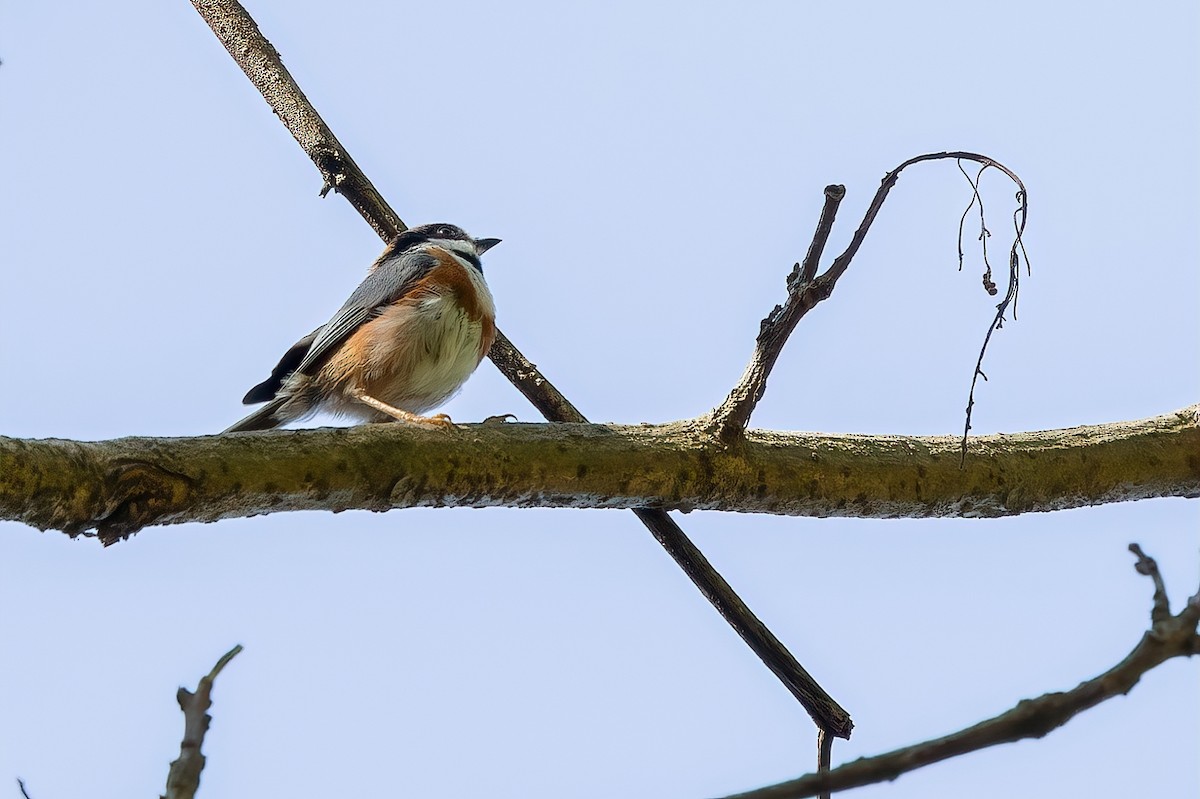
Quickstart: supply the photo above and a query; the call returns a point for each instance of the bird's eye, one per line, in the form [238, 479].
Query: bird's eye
[446, 230]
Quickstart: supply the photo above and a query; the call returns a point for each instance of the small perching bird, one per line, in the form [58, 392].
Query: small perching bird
[407, 339]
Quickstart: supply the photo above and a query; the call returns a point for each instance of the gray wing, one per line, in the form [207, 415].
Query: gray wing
[391, 280]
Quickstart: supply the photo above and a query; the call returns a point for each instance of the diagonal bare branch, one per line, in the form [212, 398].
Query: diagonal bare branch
[830, 717]
[1169, 637]
[259, 60]
[240, 35]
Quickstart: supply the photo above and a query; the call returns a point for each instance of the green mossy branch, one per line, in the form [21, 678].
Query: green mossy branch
[117, 487]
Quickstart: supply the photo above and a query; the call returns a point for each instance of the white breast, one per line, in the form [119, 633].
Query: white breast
[447, 343]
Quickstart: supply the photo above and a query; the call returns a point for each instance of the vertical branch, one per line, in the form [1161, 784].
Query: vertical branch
[824, 757]
[729, 420]
[183, 779]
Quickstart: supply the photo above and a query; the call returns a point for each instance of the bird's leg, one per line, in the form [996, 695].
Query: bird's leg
[439, 420]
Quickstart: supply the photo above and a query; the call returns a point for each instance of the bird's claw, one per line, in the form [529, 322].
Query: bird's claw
[500, 419]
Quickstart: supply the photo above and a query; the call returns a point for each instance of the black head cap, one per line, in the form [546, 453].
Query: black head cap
[423, 233]
[438, 230]
[420, 234]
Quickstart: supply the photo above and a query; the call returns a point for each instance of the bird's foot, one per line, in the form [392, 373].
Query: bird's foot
[437, 422]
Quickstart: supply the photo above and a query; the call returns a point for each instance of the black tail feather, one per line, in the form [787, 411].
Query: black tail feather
[262, 419]
[268, 388]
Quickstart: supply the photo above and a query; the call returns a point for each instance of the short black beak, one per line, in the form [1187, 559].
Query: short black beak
[483, 245]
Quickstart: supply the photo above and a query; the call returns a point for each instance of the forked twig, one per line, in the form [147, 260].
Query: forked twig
[730, 419]
[806, 289]
[1168, 637]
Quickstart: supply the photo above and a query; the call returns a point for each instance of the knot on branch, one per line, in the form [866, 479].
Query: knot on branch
[139, 494]
[769, 323]
[332, 166]
[796, 280]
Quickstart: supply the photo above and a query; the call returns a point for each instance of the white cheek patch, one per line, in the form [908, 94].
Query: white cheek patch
[457, 248]
[463, 252]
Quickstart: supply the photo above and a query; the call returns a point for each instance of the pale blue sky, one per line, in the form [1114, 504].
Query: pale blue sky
[654, 170]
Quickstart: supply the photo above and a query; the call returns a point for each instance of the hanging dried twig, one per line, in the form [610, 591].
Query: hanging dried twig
[806, 290]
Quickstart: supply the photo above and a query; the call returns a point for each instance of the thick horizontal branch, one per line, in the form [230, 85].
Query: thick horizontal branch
[117, 487]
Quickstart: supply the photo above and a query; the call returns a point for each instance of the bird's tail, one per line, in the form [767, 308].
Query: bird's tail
[262, 419]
